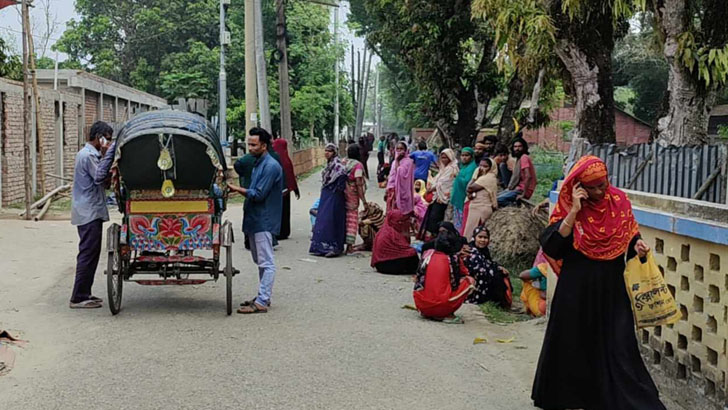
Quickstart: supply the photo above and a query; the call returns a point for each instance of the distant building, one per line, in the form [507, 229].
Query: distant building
[718, 117]
[629, 129]
[67, 114]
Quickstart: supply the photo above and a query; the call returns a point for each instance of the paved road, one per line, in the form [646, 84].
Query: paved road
[336, 337]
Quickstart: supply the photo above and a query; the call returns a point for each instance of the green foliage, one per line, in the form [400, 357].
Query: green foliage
[170, 48]
[524, 32]
[436, 47]
[11, 65]
[723, 131]
[496, 314]
[549, 167]
[709, 63]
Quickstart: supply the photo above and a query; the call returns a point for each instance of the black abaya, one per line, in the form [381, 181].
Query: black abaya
[285, 218]
[401, 266]
[590, 358]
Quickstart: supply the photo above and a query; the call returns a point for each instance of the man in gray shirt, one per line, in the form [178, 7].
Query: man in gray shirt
[88, 213]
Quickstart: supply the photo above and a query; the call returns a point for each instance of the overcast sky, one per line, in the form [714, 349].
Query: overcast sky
[63, 10]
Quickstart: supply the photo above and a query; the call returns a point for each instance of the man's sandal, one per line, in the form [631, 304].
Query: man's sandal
[86, 304]
[254, 308]
[252, 302]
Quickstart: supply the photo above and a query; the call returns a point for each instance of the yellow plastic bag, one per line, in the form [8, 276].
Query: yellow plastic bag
[652, 302]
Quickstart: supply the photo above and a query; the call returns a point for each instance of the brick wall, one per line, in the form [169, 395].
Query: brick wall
[12, 161]
[307, 159]
[303, 161]
[13, 189]
[109, 109]
[92, 108]
[628, 130]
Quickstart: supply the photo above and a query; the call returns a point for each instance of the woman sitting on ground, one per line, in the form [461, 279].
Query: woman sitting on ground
[392, 252]
[371, 220]
[533, 294]
[442, 283]
[492, 283]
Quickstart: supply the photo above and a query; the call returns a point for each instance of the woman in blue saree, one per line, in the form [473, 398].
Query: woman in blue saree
[329, 233]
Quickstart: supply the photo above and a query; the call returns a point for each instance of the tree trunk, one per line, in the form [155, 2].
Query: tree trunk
[465, 129]
[507, 128]
[689, 102]
[535, 96]
[584, 45]
[591, 81]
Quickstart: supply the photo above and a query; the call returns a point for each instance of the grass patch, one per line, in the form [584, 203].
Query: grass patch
[549, 167]
[497, 315]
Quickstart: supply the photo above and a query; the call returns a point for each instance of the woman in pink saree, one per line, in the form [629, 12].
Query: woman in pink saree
[400, 186]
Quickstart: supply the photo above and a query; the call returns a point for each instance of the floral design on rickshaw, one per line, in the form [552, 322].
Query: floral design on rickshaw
[182, 232]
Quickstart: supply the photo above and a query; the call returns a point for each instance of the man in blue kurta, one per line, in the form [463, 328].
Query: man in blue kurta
[88, 213]
[262, 215]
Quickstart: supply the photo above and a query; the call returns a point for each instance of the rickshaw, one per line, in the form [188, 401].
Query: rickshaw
[169, 180]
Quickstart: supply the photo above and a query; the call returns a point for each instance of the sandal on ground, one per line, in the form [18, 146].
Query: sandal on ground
[86, 304]
[96, 299]
[455, 320]
[252, 302]
[254, 308]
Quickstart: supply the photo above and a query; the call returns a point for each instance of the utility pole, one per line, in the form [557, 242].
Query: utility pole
[285, 93]
[263, 101]
[251, 97]
[376, 103]
[224, 41]
[26, 112]
[37, 109]
[336, 76]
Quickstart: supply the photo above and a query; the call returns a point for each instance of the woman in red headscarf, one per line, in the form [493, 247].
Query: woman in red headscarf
[392, 252]
[590, 359]
[280, 146]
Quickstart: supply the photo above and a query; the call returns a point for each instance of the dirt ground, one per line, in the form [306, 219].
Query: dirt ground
[336, 336]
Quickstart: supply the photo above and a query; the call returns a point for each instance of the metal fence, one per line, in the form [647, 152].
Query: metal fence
[698, 172]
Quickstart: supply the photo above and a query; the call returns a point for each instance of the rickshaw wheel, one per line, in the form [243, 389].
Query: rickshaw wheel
[114, 280]
[229, 266]
[229, 278]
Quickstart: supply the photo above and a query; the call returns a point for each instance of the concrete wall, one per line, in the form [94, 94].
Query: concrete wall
[58, 139]
[689, 239]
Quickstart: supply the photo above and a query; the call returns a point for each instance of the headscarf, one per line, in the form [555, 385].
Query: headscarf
[461, 181]
[603, 230]
[280, 146]
[489, 182]
[450, 243]
[484, 252]
[423, 188]
[390, 243]
[371, 220]
[402, 180]
[334, 169]
[444, 179]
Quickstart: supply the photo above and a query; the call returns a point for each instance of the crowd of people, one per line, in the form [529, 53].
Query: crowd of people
[590, 357]
[437, 204]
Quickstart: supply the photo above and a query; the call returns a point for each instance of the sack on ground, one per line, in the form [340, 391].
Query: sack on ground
[652, 302]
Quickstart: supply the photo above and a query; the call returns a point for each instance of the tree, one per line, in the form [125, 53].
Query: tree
[640, 65]
[447, 54]
[10, 64]
[696, 48]
[581, 33]
[168, 48]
